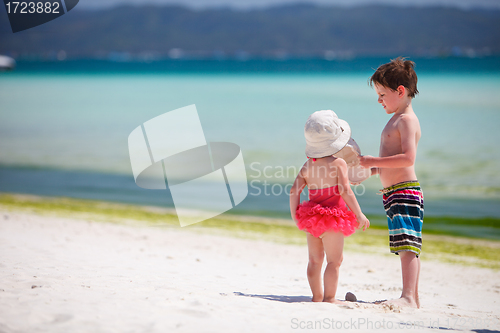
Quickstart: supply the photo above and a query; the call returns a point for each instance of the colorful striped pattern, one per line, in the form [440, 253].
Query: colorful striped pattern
[404, 206]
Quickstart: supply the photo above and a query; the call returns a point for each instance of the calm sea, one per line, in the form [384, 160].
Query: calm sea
[64, 125]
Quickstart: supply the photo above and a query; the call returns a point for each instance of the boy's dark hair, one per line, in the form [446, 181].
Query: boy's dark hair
[398, 72]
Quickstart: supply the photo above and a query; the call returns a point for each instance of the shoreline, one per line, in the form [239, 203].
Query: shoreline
[377, 221]
[261, 200]
[468, 251]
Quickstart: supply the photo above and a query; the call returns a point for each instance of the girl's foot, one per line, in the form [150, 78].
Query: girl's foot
[317, 298]
[333, 300]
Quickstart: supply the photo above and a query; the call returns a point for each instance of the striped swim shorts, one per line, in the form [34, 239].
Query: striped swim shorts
[404, 206]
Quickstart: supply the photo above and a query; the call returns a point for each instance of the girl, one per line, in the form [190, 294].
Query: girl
[325, 216]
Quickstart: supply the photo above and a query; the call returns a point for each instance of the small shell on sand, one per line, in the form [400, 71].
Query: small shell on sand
[350, 297]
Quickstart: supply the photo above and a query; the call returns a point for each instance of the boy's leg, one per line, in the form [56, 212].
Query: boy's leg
[417, 299]
[333, 242]
[410, 267]
[316, 256]
[404, 204]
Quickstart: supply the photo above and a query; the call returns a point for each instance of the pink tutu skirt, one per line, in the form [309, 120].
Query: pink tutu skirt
[317, 219]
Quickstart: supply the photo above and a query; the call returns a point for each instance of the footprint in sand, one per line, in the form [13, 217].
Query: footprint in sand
[391, 308]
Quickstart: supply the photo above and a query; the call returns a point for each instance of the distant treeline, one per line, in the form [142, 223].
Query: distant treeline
[295, 30]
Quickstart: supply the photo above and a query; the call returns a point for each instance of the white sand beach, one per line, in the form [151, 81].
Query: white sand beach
[73, 275]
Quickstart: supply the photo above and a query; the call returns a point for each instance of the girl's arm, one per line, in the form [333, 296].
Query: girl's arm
[348, 196]
[297, 187]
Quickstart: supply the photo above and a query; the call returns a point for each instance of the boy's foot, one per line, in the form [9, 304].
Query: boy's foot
[317, 299]
[402, 302]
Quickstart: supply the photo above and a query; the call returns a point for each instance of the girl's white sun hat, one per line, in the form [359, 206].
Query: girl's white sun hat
[325, 134]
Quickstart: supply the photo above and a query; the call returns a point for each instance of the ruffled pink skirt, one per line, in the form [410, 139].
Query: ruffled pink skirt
[317, 219]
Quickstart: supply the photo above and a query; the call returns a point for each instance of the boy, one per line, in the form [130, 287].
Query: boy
[396, 85]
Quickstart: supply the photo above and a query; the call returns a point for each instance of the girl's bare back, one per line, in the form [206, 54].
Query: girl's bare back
[321, 172]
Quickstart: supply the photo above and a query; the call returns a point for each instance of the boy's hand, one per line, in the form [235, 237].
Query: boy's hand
[363, 222]
[366, 161]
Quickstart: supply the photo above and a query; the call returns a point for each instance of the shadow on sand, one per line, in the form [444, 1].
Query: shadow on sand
[294, 299]
[278, 298]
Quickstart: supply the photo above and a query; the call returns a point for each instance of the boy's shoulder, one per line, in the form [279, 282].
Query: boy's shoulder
[407, 126]
[406, 119]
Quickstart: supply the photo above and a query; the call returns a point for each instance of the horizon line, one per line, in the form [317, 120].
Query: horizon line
[257, 7]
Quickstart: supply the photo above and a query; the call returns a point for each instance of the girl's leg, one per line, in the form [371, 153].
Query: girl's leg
[316, 255]
[333, 242]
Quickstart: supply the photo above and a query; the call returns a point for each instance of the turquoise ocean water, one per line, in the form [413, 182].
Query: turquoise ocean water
[64, 125]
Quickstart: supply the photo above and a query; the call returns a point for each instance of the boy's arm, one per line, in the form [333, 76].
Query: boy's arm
[297, 187]
[407, 130]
